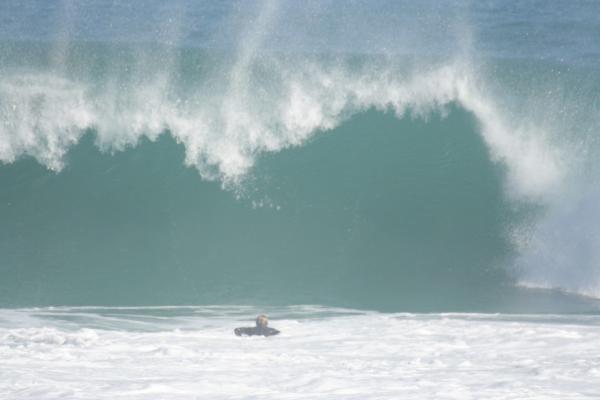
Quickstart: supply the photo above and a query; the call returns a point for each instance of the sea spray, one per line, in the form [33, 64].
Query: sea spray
[287, 103]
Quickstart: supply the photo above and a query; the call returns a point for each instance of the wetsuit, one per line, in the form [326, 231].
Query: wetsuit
[252, 331]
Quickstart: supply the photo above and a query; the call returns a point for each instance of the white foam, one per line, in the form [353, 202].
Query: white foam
[42, 116]
[225, 131]
[321, 353]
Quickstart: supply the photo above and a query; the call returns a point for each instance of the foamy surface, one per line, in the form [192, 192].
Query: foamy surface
[191, 353]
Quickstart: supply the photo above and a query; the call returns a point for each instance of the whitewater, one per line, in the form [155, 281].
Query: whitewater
[191, 353]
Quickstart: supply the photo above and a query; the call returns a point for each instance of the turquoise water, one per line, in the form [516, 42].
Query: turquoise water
[356, 228]
[399, 157]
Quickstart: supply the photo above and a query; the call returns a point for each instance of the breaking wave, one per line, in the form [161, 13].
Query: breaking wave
[236, 104]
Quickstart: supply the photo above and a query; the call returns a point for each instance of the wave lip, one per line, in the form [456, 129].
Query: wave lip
[271, 105]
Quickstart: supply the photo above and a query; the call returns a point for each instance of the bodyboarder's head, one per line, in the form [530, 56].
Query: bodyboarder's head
[262, 321]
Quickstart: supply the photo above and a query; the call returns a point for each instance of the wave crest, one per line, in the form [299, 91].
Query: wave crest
[225, 121]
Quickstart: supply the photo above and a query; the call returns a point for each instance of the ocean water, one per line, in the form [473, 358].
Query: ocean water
[324, 353]
[425, 174]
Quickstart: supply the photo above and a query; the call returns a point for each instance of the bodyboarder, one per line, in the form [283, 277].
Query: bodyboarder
[260, 329]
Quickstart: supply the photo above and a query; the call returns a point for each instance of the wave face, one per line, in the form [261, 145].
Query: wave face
[405, 157]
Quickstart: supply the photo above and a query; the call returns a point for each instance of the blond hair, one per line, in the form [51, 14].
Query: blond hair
[262, 321]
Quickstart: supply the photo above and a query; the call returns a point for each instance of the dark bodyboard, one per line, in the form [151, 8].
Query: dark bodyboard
[251, 331]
